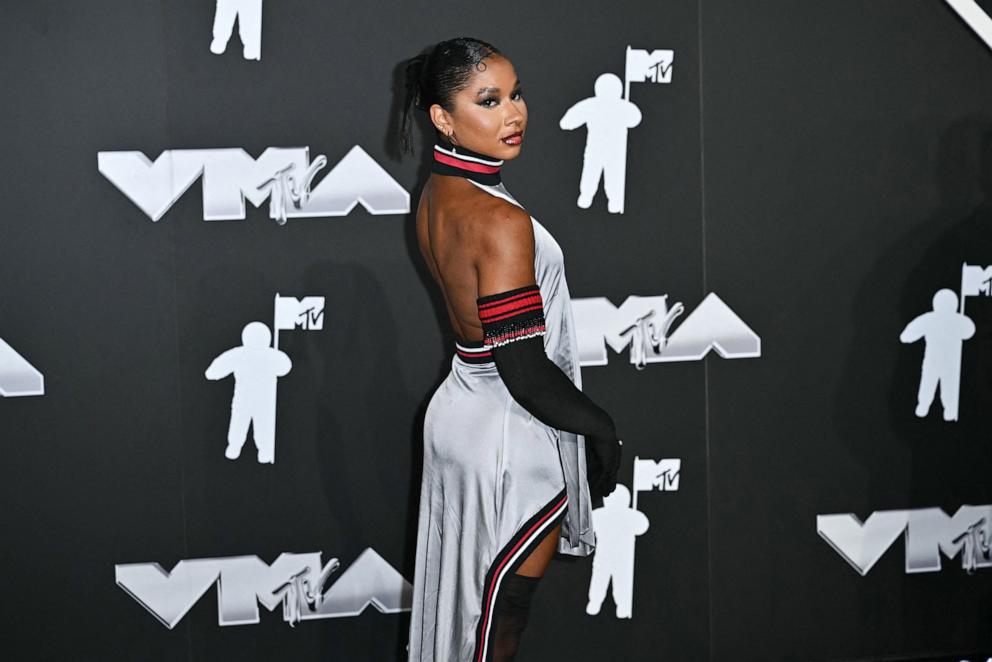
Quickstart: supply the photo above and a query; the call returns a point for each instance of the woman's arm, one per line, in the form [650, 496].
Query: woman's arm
[511, 312]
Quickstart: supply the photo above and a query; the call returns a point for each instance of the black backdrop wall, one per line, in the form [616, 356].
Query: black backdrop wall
[822, 168]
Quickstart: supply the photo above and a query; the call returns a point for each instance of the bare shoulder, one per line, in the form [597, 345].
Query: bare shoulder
[503, 227]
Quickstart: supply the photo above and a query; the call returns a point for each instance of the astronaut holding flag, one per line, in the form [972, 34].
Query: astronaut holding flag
[617, 525]
[256, 367]
[608, 116]
[943, 331]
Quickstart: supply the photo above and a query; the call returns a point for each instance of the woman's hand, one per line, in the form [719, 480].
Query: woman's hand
[603, 456]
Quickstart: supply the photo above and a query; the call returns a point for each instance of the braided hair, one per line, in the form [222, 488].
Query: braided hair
[436, 74]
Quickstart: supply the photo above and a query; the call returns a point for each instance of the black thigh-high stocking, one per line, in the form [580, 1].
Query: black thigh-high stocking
[510, 614]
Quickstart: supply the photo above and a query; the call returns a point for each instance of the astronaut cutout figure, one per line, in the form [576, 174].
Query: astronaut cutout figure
[944, 330]
[607, 117]
[249, 16]
[617, 525]
[256, 367]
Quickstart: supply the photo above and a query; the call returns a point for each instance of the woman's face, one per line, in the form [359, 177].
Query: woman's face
[489, 116]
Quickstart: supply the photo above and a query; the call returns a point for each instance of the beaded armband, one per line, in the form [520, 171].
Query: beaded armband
[512, 315]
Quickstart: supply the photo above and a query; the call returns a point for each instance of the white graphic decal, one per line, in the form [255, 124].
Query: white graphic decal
[975, 17]
[617, 525]
[607, 117]
[663, 474]
[930, 532]
[256, 368]
[643, 66]
[642, 323]
[295, 581]
[17, 376]
[306, 314]
[283, 175]
[249, 16]
[944, 330]
[975, 281]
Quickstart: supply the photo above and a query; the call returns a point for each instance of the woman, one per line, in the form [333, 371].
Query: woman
[508, 434]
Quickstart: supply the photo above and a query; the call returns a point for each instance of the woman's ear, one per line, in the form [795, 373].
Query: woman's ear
[441, 119]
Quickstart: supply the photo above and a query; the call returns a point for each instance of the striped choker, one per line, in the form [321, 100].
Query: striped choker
[457, 161]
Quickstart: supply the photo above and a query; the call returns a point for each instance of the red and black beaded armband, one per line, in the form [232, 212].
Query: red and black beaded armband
[512, 315]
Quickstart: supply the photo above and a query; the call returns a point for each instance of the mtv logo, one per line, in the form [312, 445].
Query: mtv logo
[642, 323]
[975, 281]
[663, 474]
[231, 175]
[294, 581]
[306, 313]
[930, 532]
[654, 66]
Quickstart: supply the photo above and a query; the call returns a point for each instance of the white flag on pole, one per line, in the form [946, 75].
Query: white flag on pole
[306, 313]
[663, 474]
[975, 281]
[654, 66]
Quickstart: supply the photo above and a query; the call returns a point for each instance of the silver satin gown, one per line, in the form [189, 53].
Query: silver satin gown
[496, 480]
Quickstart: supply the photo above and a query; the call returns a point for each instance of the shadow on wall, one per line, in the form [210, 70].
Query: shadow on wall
[371, 335]
[879, 369]
[910, 461]
[358, 449]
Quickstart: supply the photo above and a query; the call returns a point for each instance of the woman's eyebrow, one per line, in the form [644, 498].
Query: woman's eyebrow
[484, 90]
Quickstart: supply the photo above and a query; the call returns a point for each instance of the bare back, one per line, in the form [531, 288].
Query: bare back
[474, 244]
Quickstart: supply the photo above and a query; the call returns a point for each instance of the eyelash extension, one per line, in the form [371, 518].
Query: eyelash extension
[519, 92]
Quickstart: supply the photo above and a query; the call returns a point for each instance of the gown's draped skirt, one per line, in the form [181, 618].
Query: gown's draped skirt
[492, 488]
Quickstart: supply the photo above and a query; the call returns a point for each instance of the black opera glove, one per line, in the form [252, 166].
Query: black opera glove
[603, 458]
[513, 326]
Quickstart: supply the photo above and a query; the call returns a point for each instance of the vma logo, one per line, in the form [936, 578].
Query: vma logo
[642, 324]
[281, 175]
[976, 18]
[17, 376]
[929, 532]
[295, 581]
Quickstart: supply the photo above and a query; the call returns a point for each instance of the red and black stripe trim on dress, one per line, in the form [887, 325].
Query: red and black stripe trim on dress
[511, 315]
[457, 161]
[473, 351]
[511, 557]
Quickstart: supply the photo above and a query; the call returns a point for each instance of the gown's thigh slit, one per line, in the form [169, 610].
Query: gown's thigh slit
[513, 554]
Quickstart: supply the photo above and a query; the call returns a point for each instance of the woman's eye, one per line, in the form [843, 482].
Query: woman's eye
[486, 102]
